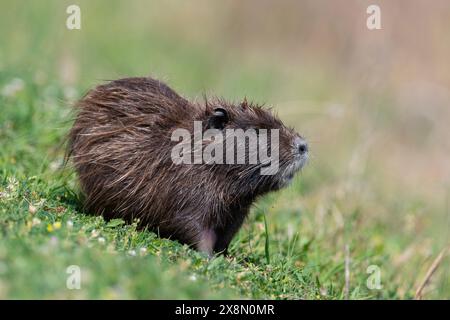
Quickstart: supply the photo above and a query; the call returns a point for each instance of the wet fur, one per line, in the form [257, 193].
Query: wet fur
[120, 147]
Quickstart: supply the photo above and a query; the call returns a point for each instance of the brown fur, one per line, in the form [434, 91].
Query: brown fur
[120, 146]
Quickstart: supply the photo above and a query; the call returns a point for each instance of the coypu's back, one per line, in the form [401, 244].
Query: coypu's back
[118, 138]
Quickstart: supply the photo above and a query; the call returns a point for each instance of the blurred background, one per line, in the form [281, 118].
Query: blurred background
[374, 104]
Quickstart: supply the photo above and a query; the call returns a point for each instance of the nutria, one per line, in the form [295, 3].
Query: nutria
[121, 145]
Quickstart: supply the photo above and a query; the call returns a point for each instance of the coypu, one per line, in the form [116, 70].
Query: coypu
[121, 147]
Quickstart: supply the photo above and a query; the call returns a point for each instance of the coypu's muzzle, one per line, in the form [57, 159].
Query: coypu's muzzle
[300, 151]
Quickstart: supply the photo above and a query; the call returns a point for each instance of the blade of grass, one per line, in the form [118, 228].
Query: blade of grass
[266, 246]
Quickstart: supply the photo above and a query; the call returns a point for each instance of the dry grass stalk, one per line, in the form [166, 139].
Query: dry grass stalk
[429, 274]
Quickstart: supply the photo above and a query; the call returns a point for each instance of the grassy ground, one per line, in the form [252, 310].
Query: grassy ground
[349, 207]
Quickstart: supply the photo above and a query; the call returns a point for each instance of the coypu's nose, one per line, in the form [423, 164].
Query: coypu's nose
[301, 145]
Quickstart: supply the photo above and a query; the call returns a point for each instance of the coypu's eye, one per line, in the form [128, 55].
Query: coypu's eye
[219, 119]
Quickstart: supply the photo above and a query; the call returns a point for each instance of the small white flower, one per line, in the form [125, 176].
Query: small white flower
[132, 253]
[12, 182]
[101, 240]
[69, 224]
[193, 277]
[142, 251]
[32, 209]
[95, 233]
[10, 191]
[35, 221]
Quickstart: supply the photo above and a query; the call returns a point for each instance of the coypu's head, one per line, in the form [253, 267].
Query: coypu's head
[245, 145]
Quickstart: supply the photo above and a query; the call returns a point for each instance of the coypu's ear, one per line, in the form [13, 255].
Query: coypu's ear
[244, 103]
[218, 119]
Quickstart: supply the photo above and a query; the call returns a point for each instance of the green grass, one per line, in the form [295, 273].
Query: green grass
[280, 253]
[292, 245]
